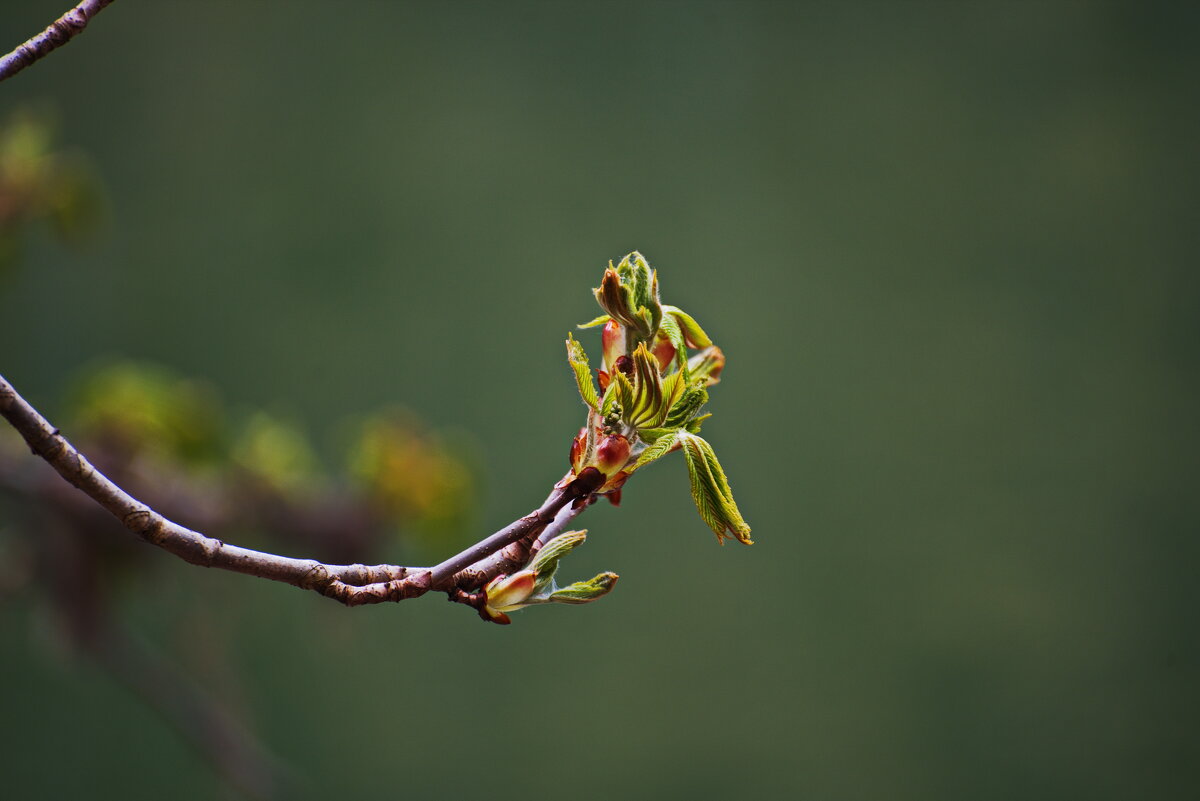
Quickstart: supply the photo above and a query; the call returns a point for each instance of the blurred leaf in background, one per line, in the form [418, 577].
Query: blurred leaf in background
[40, 183]
[416, 476]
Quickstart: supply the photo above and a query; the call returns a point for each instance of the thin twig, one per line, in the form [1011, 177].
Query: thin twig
[529, 526]
[557, 525]
[61, 31]
[516, 555]
[352, 585]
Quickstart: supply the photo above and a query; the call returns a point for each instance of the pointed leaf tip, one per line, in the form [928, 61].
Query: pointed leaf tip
[582, 592]
[577, 358]
[711, 492]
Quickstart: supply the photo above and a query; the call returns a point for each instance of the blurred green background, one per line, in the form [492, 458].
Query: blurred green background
[949, 250]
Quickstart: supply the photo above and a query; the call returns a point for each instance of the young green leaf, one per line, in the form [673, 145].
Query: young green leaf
[711, 492]
[707, 364]
[578, 359]
[582, 592]
[622, 390]
[545, 563]
[648, 390]
[688, 401]
[696, 337]
[663, 445]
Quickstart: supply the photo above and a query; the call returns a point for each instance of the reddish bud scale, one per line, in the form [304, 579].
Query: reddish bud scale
[577, 447]
[614, 484]
[664, 352]
[612, 454]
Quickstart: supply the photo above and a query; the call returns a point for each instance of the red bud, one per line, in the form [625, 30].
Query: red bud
[612, 340]
[612, 454]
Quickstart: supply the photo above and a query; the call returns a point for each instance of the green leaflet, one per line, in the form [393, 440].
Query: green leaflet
[534, 583]
[616, 297]
[622, 393]
[689, 401]
[652, 435]
[654, 304]
[673, 387]
[629, 293]
[647, 400]
[583, 372]
[695, 334]
[707, 364]
[545, 563]
[582, 592]
[612, 395]
[662, 445]
[711, 492]
[635, 268]
[684, 402]
[648, 390]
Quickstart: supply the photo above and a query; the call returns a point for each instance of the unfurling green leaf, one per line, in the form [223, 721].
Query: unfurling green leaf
[636, 270]
[629, 294]
[662, 445]
[621, 391]
[545, 563]
[648, 394]
[616, 298]
[582, 592]
[707, 364]
[711, 492]
[534, 584]
[652, 435]
[691, 399]
[583, 372]
[695, 335]
[647, 399]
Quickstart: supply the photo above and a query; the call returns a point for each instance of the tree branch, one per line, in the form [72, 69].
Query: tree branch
[351, 585]
[61, 31]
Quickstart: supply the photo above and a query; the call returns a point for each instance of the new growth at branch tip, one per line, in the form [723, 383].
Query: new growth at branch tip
[653, 383]
[656, 368]
[645, 401]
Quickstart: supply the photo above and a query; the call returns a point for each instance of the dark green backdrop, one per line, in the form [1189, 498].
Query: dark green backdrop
[948, 248]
